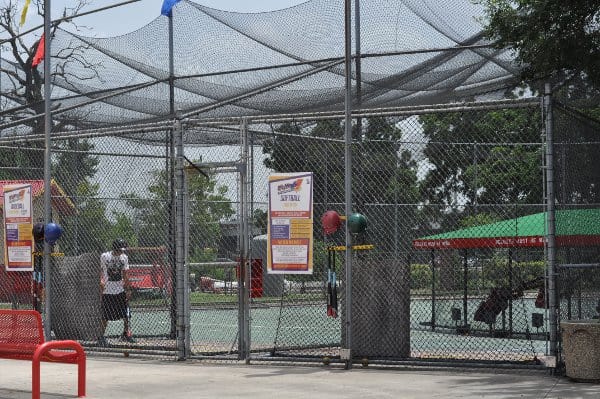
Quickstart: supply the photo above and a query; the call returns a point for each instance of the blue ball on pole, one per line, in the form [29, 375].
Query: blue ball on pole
[52, 233]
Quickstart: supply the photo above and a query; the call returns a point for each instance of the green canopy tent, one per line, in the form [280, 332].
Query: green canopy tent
[579, 227]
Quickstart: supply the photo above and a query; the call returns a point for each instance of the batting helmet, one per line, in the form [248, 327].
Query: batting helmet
[52, 233]
[357, 223]
[38, 232]
[331, 222]
[119, 245]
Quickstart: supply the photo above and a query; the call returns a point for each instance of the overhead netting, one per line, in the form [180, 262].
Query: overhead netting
[287, 61]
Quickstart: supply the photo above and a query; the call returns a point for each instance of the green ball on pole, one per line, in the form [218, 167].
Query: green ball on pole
[357, 223]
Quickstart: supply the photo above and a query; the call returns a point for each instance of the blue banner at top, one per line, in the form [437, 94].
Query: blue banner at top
[167, 6]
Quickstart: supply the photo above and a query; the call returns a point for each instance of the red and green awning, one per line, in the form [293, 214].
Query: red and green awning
[579, 227]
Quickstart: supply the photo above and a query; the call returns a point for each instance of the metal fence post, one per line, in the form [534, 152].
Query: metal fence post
[183, 323]
[245, 265]
[550, 223]
[47, 169]
[348, 182]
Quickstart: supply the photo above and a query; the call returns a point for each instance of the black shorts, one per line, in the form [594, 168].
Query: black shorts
[114, 307]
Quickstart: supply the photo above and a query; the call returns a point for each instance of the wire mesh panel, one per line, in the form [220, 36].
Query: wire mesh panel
[418, 178]
[213, 231]
[451, 264]
[21, 166]
[576, 146]
[291, 319]
[102, 189]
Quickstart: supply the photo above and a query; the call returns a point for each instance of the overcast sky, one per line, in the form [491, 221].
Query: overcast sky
[130, 17]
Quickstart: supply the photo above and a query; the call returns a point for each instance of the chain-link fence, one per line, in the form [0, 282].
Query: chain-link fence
[414, 175]
[455, 198]
[576, 145]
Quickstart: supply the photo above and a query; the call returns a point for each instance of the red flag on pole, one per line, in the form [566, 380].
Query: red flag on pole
[39, 53]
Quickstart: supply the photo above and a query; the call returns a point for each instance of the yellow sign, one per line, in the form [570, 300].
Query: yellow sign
[290, 227]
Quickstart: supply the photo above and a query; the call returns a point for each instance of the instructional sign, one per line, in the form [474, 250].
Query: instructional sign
[290, 227]
[18, 223]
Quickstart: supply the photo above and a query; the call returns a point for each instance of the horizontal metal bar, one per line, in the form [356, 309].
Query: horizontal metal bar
[212, 165]
[579, 265]
[214, 264]
[386, 111]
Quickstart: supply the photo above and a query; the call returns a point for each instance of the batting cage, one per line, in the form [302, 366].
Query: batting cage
[247, 205]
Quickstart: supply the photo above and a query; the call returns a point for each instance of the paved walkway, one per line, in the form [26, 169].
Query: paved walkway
[132, 378]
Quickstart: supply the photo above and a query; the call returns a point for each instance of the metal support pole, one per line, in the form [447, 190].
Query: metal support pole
[186, 274]
[171, 68]
[510, 287]
[170, 178]
[348, 180]
[433, 293]
[360, 195]
[550, 224]
[358, 60]
[465, 288]
[244, 245]
[246, 231]
[47, 168]
[180, 256]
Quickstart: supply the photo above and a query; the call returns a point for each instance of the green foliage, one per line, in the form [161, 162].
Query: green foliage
[74, 165]
[200, 255]
[421, 276]
[383, 173]
[208, 206]
[89, 225]
[549, 36]
[490, 273]
[479, 219]
[495, 272]
[22, 164]
[123, 228]
[260, 220]
[483, 173]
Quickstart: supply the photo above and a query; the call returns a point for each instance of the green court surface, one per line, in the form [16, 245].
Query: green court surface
[215, 330]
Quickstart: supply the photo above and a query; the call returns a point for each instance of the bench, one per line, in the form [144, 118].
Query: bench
[22, 338]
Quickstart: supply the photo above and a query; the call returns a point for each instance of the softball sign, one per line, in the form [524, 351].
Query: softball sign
[18, 223]
[290, 227]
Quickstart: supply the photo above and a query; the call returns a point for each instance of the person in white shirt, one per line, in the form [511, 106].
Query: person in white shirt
[116, 289]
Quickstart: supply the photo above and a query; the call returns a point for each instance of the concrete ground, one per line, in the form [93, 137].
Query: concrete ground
[132, 378]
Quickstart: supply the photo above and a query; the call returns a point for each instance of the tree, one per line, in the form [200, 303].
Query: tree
[27, 81]
[387, 185]
[316, 149]
[259, 220]
[208, 206]
[483, 158]
[89, 229]
[550, 36]
[22, 93]
[483, 165]
[383, 173]
[23, 83]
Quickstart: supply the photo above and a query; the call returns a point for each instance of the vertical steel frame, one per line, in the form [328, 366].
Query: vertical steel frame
[47, 166]
[550, 222]
[244, 246]
[348, 179]
[182, 294]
